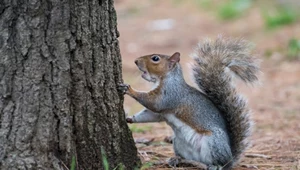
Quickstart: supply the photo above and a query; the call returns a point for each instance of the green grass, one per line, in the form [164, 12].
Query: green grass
[104, 159]
[120, 166]
[139, 129]
[268, 53]
[105, 162]
[146, 165]
[233, 9]
[294, 49]
[73, 163]
[279, 16]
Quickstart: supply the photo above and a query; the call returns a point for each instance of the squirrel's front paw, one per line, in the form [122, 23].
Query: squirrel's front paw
[129, 119]
[123, 88]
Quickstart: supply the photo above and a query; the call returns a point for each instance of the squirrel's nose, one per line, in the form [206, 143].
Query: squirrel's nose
[136, 62]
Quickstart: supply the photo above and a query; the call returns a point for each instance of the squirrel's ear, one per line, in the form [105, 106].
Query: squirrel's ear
[175, 58]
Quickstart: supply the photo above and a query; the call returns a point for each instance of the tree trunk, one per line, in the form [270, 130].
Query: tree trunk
[59, 68]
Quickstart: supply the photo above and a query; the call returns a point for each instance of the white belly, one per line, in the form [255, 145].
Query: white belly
[187, 142]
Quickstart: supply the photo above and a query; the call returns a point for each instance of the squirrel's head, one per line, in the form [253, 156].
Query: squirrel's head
[156, 66]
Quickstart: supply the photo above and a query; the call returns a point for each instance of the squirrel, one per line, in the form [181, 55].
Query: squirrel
[211, 124]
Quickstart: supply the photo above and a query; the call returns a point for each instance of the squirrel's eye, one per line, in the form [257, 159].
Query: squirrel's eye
[155, 58]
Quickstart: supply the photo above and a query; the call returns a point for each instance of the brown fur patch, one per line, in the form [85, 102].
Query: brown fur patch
[185, 114]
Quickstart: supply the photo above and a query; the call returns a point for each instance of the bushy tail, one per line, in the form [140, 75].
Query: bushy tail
[214, 60]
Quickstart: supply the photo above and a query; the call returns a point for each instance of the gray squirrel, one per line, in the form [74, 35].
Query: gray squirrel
[210, 125]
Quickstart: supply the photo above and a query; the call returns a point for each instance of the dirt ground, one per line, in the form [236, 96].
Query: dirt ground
[168, 26]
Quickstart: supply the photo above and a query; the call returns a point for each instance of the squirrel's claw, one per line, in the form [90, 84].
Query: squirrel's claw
[129, 119]
[169, 139]
[174, 161]
[123, 88]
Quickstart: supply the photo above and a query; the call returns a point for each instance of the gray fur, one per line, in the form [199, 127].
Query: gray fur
[211, 150]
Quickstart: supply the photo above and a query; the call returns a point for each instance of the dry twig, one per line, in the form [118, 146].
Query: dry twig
[256, 155]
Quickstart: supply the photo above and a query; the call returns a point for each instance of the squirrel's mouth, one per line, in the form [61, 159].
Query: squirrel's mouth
[144, 72]
[147, 76]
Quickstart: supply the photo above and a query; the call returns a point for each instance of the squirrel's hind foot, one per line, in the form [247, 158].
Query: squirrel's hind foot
[174, 161]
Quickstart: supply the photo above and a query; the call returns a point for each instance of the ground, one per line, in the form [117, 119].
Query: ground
[168, 26]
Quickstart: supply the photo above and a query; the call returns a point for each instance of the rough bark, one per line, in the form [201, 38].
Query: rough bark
[59, 68]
